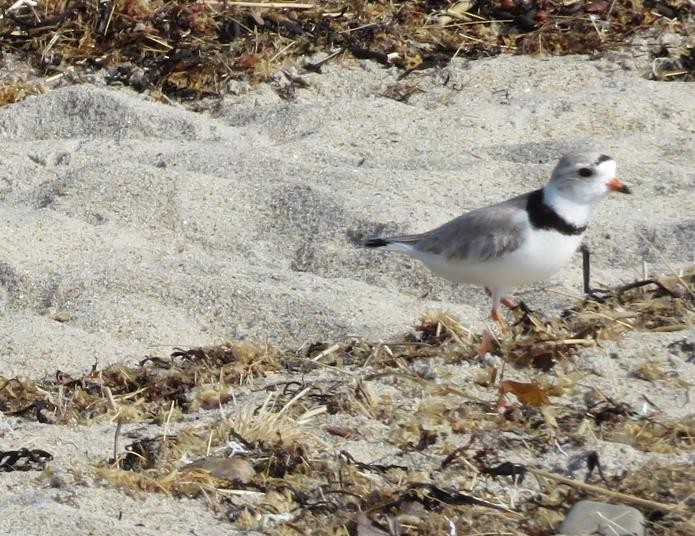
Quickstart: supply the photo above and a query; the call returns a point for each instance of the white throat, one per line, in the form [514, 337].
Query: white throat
[568, 209]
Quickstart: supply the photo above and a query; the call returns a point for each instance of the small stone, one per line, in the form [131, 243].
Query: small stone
[590, 517]
[62, 317]
[233, 469]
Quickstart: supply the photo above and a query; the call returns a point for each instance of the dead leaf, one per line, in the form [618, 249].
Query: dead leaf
[487, 343]
[530, 394]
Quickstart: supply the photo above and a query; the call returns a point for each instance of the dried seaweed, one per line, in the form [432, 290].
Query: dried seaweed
[191, 49]
[265, 434]
[17, 90]
[24, 460]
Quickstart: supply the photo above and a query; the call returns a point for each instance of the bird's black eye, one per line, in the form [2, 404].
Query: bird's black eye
[585, 172]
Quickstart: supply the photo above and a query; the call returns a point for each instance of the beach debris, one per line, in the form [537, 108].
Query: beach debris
[530, 394]
[145, 453]
[594, 464]
[24, 460]
[18, 90]
[516, 471]
[311, 437]
[191, 50]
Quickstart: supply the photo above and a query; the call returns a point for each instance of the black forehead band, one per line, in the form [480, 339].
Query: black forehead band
[602, 158]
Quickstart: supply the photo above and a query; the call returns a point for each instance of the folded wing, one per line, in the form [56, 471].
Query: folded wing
[478, 235]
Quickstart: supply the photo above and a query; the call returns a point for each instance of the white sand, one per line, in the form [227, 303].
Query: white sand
[144, 226]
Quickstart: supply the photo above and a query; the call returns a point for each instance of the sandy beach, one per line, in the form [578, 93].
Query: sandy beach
[130, 227]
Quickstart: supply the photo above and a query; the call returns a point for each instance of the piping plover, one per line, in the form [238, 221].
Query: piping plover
[519, 241]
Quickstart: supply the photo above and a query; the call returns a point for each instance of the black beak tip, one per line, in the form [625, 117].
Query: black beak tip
[625, 189]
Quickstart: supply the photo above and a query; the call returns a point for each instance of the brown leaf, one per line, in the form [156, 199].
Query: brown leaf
[530, 394]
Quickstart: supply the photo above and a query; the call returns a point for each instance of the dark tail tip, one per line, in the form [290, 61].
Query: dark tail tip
[375, 243]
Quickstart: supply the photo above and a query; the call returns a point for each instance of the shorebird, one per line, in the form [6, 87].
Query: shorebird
[519, 241]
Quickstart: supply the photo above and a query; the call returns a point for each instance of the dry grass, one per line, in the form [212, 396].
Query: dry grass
[286, 441]
[187, 49]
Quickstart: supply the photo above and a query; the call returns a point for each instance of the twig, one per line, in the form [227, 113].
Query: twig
[111, 400]
[326, 352]
[316, 67]
[368, 25]
[209, 447]
[592, 18]
[652, 505]
[282, 51]
[105, 26]
[160, 42]
[601, 315]
[674, 73]
[116, 439]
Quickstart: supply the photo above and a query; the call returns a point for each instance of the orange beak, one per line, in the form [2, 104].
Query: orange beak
[617, 185]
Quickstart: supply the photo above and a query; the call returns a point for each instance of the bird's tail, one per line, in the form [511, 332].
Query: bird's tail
[391, 244]
[376, 242]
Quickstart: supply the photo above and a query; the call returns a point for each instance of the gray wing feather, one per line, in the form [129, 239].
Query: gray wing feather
[478, 235]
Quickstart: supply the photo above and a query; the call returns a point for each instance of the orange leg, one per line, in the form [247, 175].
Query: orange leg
[501, 321]
[510, 304]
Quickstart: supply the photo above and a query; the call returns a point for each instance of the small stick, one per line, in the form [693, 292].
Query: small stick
[592, 19]
[326, 352]
[116, 438]
[119, 423]
[316, 67]
[652, 505]
[111, 400]
[105, 27]
[207, 450]
[628, 326]
[281, 52]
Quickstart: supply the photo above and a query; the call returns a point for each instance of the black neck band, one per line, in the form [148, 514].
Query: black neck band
[544, 217]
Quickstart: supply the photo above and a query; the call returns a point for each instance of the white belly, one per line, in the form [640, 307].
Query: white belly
[540, 256]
